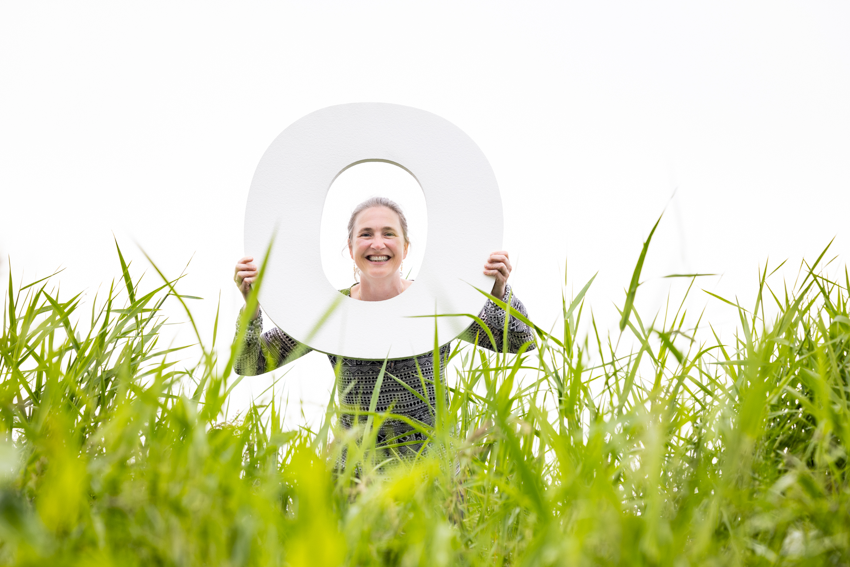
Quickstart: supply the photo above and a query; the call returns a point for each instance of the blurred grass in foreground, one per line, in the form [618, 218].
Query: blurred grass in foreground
[682, 452]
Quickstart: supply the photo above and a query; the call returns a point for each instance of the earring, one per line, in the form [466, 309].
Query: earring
[356, 271]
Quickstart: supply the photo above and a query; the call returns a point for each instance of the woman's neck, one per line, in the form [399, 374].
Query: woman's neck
[380, 290]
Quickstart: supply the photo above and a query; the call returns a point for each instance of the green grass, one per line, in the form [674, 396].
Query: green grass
[684, 451]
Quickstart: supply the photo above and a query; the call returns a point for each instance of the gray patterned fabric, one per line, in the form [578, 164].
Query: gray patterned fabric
[262, 352]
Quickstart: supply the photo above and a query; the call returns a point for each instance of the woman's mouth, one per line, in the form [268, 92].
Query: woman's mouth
[378, 259]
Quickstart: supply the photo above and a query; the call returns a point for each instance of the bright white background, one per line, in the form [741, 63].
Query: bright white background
[147, 121]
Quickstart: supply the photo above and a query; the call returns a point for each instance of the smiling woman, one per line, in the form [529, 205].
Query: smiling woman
[380, 342]
[378, 243]
[352, 187]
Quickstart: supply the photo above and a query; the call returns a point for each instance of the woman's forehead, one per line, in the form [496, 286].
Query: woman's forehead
[378, 217]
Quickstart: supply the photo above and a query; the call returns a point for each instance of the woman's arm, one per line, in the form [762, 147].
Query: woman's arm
[261, 352]
[494, 317]
[499, 266]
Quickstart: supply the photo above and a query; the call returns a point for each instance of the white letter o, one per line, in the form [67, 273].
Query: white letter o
[286, 201]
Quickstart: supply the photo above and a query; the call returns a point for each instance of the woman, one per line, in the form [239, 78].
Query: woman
[378, 243]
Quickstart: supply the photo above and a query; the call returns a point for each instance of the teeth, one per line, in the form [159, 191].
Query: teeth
[378, 258]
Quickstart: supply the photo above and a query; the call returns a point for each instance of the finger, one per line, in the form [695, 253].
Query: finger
[247, 274]
[498, 266]
[245, 260]
[502, 260]
[502, 268]
[497, 259]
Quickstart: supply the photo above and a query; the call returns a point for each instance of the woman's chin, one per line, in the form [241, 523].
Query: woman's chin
[379, 272]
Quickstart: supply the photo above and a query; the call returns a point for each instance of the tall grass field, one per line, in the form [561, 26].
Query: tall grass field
[683, 449]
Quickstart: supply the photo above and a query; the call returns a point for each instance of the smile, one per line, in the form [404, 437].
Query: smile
[378, 258]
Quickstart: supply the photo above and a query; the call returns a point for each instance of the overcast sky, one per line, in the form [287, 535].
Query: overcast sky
[146, 121]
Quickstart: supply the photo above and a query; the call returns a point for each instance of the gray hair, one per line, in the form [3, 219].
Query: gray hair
[378, 202]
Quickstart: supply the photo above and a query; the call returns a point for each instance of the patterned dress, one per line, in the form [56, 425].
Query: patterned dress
[262, 352]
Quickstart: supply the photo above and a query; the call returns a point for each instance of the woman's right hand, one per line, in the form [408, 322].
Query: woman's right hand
[246, 274]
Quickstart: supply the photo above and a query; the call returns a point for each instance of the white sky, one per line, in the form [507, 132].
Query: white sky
[147, 121]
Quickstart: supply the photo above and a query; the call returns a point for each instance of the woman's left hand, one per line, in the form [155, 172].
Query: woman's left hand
[500, 266]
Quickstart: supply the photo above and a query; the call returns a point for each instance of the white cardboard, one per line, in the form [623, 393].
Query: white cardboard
[465, 225]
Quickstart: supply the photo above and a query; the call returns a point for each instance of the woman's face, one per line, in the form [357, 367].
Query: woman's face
[377, 245]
